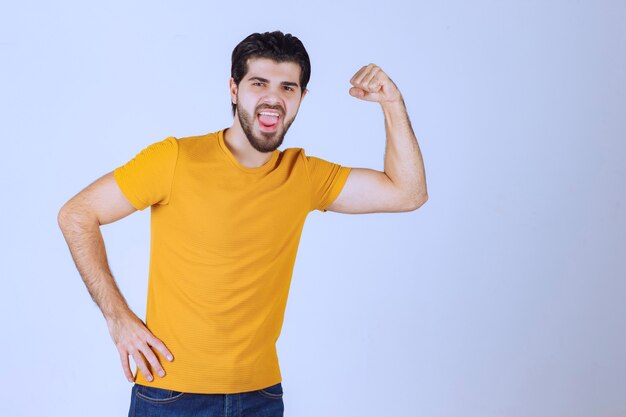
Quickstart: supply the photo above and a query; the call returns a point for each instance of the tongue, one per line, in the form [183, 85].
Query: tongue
[268, 120]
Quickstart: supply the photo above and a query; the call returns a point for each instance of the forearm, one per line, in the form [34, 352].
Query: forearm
[403, 159]
[84, 239]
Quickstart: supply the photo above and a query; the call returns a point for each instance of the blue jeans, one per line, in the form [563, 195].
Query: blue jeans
[152, 402]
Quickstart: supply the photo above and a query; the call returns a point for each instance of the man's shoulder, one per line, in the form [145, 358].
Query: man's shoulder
[187, 140]
[293, 150]
[198, 144]
[293, 154]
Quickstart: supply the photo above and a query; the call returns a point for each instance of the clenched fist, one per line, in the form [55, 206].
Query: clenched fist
[372, 84]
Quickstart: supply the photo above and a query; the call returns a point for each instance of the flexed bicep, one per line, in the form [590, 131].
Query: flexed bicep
[370, 191]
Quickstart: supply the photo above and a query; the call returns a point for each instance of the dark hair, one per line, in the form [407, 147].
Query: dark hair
[275, 45]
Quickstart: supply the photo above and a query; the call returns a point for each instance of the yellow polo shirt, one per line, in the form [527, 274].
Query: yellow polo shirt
[224, 239]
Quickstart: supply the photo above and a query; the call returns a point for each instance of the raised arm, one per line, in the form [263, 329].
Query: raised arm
[402, 185]
[103, 202]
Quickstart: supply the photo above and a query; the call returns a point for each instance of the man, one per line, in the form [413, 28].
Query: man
[227, 211]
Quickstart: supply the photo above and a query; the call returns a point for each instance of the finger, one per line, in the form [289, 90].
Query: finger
[126, 367]
[367, 70]
[141, 364]
[370, 82]
[160, 346]
[154, 361]
[358, 75]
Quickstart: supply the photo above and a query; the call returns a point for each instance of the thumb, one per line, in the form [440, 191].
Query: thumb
[363, 95]
[357, 92]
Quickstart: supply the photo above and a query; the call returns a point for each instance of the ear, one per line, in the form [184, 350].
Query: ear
[233, 90]
[303, 94]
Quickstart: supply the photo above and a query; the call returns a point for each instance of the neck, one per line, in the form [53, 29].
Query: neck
[238, 144]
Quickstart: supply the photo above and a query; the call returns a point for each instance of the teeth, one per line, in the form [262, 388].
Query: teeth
[267, 113]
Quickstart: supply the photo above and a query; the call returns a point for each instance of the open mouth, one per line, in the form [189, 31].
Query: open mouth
[268, 119]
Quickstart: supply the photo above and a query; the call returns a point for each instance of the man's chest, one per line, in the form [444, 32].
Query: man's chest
[222, 210]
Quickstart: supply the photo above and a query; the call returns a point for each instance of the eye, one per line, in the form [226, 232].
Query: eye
[257, 83]
[289, 88]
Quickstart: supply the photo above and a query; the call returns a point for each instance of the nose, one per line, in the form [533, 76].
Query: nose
[272, 101]
[272, 96]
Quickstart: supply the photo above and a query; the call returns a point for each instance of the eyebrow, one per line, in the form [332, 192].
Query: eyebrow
[264, 80]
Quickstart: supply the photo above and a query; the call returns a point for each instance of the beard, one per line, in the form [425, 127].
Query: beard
[264, 141]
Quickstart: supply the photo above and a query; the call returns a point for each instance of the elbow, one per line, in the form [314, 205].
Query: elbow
[73, 213]
[67, 215]
[63, 216]
[417, 202]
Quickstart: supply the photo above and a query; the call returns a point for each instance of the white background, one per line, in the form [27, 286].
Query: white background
[504, 295]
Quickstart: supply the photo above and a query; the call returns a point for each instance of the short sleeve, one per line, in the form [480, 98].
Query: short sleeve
[327, 181]
[147, 178]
